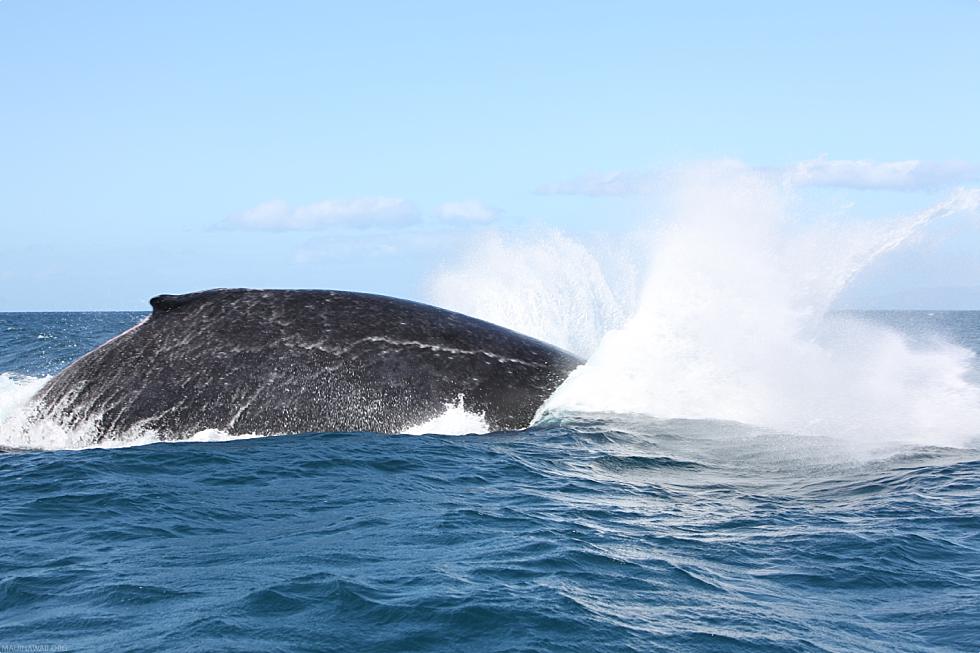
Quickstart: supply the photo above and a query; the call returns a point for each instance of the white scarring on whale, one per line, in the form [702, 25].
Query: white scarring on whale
[294, 361]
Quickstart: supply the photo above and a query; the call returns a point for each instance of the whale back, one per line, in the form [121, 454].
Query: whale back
[294, 361]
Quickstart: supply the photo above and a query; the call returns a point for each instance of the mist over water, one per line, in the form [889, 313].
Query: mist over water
[731, 319]
[546, 285]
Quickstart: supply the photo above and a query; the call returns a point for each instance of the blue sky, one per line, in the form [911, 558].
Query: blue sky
[150, 147]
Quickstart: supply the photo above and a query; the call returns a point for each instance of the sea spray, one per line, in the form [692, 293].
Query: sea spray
[732, 321]
[20, 429]
[455, 420]
[548, 286]
[16, 391]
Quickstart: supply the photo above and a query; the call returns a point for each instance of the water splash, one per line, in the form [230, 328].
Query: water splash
[19, 429]
[456, 420]
[732, 321]
[16, 391]
[548, 286]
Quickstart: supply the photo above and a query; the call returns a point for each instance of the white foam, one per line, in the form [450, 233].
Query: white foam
[19, 431]
[456, 420]
[16, 429]
[147, 436]
[15, 391]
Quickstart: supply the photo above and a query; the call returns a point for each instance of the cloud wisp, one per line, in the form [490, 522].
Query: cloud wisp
[860, 174]
[604, 184]
[911, 174]
[359, 213]
[467, 211]
[366, 213]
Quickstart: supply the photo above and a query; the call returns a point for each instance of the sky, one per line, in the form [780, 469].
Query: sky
[165, 147]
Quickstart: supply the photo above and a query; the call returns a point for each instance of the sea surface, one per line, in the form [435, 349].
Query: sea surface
[586, 532]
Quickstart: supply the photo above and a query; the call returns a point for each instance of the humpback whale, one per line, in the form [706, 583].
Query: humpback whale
[297, 361]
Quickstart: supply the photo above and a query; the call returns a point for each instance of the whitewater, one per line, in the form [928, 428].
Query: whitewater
[733, 319]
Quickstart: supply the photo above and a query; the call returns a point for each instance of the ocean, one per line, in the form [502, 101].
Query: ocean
[634, 528]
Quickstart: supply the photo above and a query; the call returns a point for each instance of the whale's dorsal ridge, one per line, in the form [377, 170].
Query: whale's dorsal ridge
[166, 302]
[294, 361]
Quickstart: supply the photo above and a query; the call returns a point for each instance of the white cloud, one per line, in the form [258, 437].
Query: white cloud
[466, 211]
[361, 213]
[838, 173]
[603, 184]
[889, 175]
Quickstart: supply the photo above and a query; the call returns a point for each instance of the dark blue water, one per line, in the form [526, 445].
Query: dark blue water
[587, 534]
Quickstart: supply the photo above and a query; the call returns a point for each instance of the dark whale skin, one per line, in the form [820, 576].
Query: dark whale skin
[297, 361]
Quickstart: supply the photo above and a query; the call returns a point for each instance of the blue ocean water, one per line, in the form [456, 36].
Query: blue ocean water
[584, 533]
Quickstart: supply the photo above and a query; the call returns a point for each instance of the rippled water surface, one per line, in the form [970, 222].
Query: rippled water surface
[587, 532]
